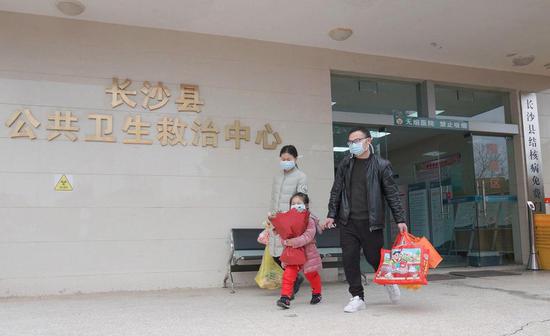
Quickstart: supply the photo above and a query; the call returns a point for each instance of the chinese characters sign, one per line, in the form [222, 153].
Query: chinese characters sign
[143, 128]
[154, 96]
[533, 159]
[400, 119]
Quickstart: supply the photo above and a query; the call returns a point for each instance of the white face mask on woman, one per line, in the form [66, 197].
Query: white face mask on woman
[287, 165]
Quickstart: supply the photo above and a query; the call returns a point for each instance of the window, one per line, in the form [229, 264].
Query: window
[374, 96]
[474, 105]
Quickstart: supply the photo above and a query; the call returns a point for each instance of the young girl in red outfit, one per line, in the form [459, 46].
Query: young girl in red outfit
[313, 264]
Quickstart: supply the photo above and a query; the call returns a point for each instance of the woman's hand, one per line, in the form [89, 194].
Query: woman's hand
[287, 243]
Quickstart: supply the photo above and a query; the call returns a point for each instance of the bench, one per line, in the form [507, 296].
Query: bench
[328, 245]
[244, 247]
[246, 252]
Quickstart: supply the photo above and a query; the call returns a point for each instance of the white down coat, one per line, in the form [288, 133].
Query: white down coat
[284, 186]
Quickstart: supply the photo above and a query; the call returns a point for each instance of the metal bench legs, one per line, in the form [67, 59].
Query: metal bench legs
[229, 275]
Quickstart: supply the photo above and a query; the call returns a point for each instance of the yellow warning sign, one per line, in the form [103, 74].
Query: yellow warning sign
[63, 184]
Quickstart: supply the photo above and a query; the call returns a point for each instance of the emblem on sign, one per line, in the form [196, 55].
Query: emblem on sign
[63, 184]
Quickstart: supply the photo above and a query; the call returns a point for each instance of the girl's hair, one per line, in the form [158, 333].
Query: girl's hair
[303, 196]
[290, 149]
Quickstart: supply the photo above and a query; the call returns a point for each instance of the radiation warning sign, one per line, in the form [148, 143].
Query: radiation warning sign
[63, 183]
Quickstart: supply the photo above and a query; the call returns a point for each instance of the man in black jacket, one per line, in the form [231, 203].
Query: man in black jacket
[363, 183]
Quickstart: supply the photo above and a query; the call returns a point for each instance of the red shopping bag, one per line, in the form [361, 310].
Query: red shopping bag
[405, 264]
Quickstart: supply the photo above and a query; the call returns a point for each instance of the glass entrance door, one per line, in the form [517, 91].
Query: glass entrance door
[430, 168]
[496, 200]
[459, 192]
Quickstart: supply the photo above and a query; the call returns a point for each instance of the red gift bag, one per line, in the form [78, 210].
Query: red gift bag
[291, 224]
[405, 264]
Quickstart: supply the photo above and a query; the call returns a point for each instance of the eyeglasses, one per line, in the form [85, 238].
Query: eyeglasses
[356, 141]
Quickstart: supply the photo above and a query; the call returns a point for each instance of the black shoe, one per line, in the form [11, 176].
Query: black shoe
[284, 302]
[297, 284]
[315, 299]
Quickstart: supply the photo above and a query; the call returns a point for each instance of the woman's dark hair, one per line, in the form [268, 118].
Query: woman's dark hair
[303, 196]
[290, 150]
[361, 129]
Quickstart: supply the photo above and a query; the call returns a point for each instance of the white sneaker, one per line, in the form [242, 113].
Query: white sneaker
[355, 304]
[394, 293]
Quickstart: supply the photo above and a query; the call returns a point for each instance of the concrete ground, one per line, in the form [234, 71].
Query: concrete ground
[505, 305]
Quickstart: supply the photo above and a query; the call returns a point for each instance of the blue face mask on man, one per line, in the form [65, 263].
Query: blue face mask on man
[287, 165]
[356, 148]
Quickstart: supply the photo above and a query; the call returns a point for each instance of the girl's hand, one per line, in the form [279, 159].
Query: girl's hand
[286, 243]
[270, 215]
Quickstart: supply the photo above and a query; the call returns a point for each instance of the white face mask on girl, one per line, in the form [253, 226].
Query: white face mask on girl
[299, 207]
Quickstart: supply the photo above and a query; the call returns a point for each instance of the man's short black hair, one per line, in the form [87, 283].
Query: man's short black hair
[362, 129]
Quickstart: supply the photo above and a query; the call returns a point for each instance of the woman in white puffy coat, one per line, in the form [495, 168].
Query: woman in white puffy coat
[290, 181]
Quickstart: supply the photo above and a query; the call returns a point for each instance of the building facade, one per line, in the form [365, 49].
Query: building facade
[112, 179]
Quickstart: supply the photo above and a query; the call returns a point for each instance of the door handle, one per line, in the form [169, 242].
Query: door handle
[444, 214]
[484, 198]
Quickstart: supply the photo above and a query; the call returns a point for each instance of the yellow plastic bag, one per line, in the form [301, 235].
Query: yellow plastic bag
[270, 274]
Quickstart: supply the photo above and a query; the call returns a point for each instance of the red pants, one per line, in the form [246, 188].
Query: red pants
[289, 277]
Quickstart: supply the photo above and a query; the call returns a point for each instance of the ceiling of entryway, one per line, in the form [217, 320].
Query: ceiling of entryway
[486, 34]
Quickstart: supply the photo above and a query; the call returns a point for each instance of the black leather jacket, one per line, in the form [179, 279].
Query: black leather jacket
[380, 186]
